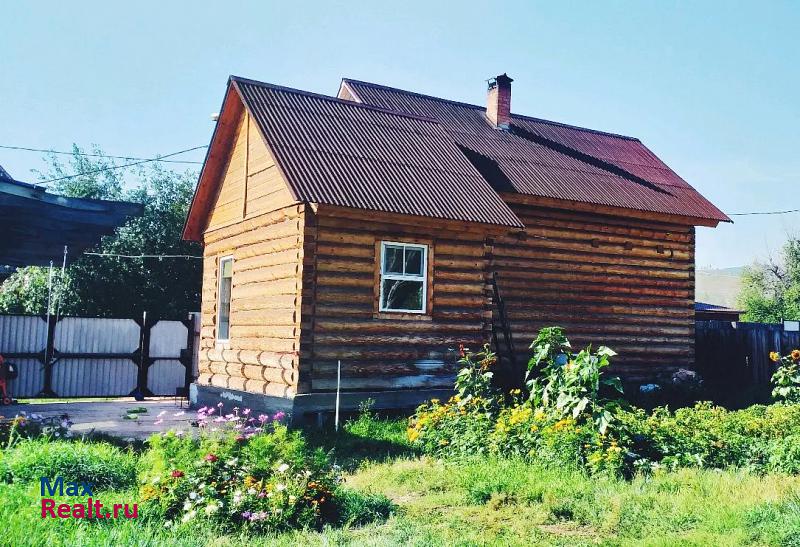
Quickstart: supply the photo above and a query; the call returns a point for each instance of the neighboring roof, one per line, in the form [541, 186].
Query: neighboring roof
[553, 160]
[36, 225]
[703, 306]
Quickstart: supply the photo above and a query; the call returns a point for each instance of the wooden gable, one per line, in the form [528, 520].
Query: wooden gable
[240, 177]
[251, 183]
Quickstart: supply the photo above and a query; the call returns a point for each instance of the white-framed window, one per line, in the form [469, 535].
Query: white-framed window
[404, 277]
[224, 298]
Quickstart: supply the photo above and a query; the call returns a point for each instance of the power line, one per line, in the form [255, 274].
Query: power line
[120, 166]
[141, 256]
[764, 213]
[26, 149]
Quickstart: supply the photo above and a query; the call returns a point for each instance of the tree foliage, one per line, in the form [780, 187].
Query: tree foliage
[771, 290]
[120, 287]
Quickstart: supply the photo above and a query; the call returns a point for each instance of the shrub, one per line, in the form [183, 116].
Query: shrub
[102, 464]
[244, 472]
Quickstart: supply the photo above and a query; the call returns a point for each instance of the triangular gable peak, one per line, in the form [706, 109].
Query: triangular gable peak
[240, 177]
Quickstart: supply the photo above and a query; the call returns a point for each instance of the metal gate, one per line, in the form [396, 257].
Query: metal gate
[98, 357]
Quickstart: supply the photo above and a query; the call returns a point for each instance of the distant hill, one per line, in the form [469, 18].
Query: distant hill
[720, 287]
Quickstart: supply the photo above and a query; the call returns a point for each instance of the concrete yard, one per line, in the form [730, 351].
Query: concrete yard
[108, 416]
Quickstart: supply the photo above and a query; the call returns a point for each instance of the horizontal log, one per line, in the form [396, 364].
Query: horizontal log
[268, 359]
[397, 382]
[251, 386]
[267, 273]
[253, 372]
[264, 317]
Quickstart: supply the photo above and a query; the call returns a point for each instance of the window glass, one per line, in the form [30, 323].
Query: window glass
[402, 295]
[393, 259]
[224, 304]
[403, 284]
[413, 261]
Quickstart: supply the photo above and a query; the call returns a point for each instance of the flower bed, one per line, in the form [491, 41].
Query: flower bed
[244, 472]
[568, 416]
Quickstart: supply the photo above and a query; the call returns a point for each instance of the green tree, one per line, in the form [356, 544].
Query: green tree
[111, 286]
[771, 291]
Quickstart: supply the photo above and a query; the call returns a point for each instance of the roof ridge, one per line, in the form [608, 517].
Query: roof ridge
[470, 105]
[240, 79]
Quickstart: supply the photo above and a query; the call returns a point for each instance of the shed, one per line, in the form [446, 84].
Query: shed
[380, 230]
[712, 312]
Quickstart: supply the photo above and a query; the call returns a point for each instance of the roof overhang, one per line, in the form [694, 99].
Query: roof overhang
[37, 225]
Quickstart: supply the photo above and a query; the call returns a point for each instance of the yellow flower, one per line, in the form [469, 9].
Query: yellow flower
[444, 442]
[775, 356]
[434, 401]
[412, 433]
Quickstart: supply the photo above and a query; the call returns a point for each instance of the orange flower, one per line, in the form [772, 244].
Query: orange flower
[796, 355]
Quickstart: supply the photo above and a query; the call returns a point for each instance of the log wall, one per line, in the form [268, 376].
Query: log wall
[622, 282]
[255, 220]
[340, 313]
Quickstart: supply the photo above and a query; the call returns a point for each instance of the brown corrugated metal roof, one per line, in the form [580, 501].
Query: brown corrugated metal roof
[549, 159]
[338, 152]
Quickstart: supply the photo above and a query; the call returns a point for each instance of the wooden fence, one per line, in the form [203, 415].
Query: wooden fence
[733, 358]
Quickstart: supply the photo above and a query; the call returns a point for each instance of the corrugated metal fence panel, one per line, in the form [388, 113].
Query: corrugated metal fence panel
[30, 380]
[96, 335]
[22, 334]
[94, 377]
[167, 339]
[165, 375]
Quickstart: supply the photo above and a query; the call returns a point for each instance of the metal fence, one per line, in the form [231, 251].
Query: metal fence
[98, 357]
[733, 358]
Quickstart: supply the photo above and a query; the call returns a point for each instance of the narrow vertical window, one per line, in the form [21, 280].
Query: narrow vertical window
[224, 298]
[404, 277]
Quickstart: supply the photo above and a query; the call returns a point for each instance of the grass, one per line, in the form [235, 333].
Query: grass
[480, 502]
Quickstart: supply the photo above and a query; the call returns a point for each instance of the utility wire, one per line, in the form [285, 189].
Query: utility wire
[141, 256]
[88, 154]
[120, 166]
[764, 213]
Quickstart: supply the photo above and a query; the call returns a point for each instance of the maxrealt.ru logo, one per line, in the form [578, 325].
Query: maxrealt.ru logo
[92, 508]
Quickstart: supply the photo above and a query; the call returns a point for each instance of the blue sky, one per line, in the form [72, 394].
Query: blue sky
[711, 87]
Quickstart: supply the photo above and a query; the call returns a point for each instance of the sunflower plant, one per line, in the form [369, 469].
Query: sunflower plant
[571, 383]
[787, 378]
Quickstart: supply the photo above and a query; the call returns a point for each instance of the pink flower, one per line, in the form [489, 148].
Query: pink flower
[263, 418]
[246, 411]
[202, 409]
[219, 404]
[278, 416]
[211, 411]
[211, 458]
[177, 474]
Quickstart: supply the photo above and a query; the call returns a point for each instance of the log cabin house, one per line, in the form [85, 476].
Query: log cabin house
[381, 229]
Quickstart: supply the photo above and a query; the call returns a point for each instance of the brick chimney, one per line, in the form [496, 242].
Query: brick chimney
[498, 101]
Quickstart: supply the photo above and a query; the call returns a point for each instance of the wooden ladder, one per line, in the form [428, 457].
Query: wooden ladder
[508, 353]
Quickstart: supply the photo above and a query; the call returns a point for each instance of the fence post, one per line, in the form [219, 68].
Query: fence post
[187, 355]
[49, 360]
[142, 390]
